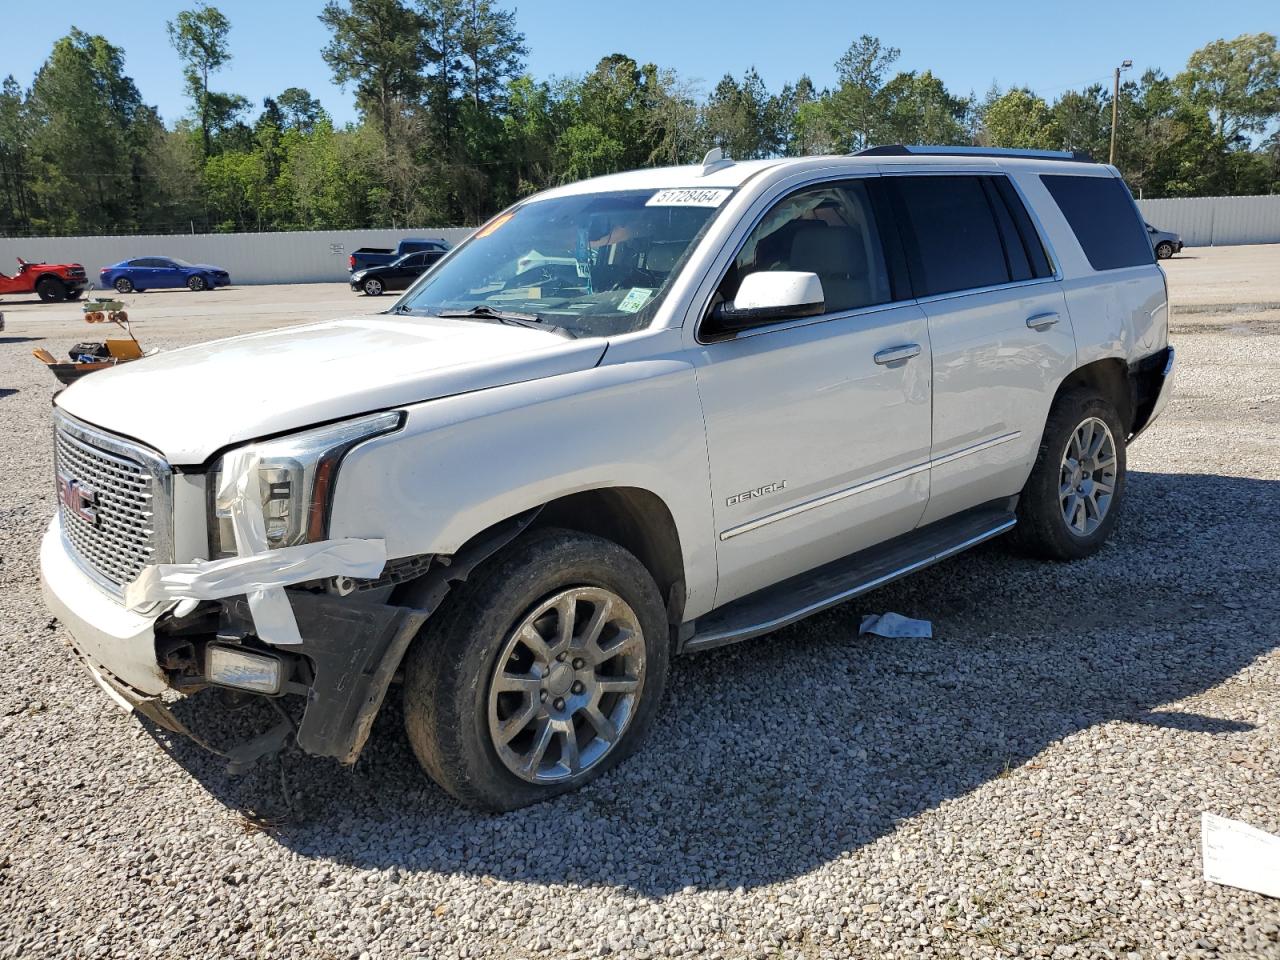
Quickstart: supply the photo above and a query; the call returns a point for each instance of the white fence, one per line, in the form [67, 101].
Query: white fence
[1217, 221]
[318, 255]
[309, 256]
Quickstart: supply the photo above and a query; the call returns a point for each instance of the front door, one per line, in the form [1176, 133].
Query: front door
[818, 429]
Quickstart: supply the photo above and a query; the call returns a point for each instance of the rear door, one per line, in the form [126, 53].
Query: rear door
[998, 324]
[818, 427]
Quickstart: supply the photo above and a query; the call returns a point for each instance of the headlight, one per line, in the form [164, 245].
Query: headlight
[295, 479]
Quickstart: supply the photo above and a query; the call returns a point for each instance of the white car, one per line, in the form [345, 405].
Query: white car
[728, 396]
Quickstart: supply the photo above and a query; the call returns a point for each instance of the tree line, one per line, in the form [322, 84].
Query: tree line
[452, 127]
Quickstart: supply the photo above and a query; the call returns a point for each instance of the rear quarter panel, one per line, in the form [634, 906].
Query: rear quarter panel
[1115, 313]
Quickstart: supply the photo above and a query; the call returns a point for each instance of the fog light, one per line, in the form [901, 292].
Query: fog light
[233, 667]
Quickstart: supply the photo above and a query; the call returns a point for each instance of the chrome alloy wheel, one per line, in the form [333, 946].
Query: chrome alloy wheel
[1088, 478]
[566, 684]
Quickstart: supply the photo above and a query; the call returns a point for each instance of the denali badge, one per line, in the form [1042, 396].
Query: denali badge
[78, 498]
[767, 489]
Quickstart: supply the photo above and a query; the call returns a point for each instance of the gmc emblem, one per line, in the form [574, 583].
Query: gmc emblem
[78, 498]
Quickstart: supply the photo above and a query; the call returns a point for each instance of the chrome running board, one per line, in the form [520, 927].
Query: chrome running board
[827, 586]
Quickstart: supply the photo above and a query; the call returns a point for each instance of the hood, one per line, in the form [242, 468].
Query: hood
[192, 402]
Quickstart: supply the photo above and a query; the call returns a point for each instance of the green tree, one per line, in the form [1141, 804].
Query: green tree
[1019, 118]
[299, 109]
[15, 200]
[492, 49]
[379, 48]
[1237, 82]
[917, 108]
[854, 112]
[200, 37]
[84, 116]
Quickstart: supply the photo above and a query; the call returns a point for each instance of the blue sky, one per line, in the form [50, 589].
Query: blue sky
[1048, 47]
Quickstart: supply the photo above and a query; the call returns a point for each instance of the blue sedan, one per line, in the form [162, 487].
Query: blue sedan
[157, 273]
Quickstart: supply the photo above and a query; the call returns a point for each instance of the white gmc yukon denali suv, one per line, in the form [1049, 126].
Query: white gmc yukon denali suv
[633, 417]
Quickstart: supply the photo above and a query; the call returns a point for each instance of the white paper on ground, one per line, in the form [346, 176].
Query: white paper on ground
[894, 625]
[1238, 855]
[261, 574]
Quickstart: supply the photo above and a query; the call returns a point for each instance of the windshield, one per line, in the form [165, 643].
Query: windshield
[593, 265]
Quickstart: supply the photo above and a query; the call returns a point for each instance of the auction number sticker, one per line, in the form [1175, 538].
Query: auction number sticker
[689, 197]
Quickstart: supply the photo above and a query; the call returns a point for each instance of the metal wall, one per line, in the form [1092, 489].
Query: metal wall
[1217, 221]
[299, 257]
[318, 255]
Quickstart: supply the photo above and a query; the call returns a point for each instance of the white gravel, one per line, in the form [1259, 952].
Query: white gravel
[1029, 783]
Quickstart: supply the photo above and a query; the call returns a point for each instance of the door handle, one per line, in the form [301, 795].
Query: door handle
[1042, 320]
[903, 352]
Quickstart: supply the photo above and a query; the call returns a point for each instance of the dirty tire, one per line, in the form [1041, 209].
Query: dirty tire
[196, 284]
[51, 290]
[449, 668]
[1042, 529]
[123, 285]
[1164, 250]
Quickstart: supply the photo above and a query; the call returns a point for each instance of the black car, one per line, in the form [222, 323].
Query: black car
[396, 275]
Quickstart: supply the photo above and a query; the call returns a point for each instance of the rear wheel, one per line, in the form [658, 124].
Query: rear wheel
[123, 285]
[197, 283]
[51, 290]
[1164, 250]
[373, 287]
[545, 670]
[1071, 501]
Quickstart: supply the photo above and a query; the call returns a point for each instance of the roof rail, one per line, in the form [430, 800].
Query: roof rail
[901, 150]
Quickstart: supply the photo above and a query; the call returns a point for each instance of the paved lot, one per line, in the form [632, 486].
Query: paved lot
[1028, 783]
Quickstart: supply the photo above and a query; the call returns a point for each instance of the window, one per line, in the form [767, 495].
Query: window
[828, 230]
[1025, 229]
[1103, 216]
[590, 264]
[952, 238]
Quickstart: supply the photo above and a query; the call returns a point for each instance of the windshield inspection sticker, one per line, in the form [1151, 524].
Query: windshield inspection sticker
[689, 197]
[636, 298]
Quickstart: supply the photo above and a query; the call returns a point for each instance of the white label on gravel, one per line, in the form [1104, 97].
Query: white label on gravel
[1238, 855]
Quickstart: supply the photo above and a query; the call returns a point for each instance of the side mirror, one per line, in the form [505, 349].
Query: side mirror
[770, 296]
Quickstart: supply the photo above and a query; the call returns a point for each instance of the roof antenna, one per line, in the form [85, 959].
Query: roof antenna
[713, 161]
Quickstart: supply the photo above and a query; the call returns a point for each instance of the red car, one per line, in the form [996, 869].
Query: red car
[51, 282]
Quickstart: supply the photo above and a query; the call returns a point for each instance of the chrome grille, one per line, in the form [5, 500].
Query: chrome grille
[123, 492]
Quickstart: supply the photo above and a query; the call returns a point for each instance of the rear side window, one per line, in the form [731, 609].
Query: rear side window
[952, 238]
[1102, 215]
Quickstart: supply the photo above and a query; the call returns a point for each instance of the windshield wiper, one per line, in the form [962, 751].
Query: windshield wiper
[509, 317]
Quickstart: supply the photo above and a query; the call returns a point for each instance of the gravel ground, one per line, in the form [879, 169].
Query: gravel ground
[1029, 783]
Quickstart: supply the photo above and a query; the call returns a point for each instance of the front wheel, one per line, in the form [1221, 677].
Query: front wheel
[1164, 250]
[1071, 501]
[545, 670]
[124, 285]
[373, 287]
[196, 284]
[51, 290]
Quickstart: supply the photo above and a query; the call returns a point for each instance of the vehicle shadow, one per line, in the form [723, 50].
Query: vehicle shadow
[4, 340]
[781, 754]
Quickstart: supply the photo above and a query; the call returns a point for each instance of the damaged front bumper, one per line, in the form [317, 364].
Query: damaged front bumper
[350, 649]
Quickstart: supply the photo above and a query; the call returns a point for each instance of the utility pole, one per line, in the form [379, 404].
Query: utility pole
[1115, 108]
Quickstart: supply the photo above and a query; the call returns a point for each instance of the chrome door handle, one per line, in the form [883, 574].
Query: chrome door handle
[1042, 320]
[903, 352]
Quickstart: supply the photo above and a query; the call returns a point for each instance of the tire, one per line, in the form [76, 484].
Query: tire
[197, 283]
[123, 285]
[1056, 488]
[51, 290]
[456, 719]
[373, 287]
[1164, 250]
[75, 294]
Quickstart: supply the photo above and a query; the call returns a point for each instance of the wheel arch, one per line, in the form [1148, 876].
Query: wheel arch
[1110, 378]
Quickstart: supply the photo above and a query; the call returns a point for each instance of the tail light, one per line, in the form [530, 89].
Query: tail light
[351, 262]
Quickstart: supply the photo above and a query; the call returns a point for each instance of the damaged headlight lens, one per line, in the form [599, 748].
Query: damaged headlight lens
[295, 482]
